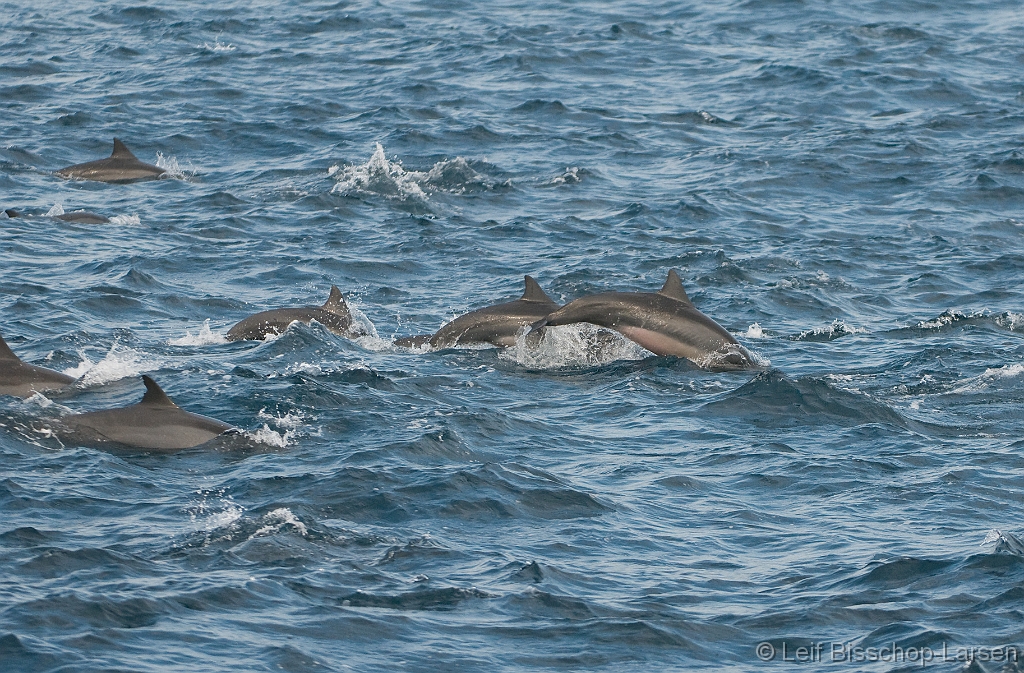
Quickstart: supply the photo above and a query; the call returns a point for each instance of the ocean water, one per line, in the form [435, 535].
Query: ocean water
[840, 185]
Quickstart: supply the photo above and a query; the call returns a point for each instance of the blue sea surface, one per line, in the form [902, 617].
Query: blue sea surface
[839, 184]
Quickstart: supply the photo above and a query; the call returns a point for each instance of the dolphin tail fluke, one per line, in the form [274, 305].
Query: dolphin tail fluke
[336, 302]
[121, 151]
[533, 291]
[155, 396]
[5, 351]
[673, 288]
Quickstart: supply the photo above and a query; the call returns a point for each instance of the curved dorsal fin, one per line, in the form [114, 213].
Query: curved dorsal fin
[6, 353]
[533, 291]
[120, 151]
[673, 288]
[155, 396]
[336, 302]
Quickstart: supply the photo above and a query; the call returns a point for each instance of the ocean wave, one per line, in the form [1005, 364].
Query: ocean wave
[987, 378]
[837, 329]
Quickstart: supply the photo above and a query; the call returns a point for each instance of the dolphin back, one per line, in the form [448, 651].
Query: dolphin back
[120, 167]
[156, 423]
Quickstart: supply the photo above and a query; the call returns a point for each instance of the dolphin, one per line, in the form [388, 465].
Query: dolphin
[497, 325]
[334, 315]
[24, 380]
[121, 166]
[156, 423]
[664, 322]
[78, 216]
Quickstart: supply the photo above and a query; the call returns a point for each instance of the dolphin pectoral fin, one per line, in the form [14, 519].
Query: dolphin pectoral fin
[673, 288]
[155, 396]
[540, 324]
[121, 151]
[534, 293]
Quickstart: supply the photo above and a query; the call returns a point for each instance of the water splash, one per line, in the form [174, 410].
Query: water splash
[208, 517]
[390, 179]
[119, 362]
[579, 345]
[837, 329]
[754, 332]
[172, 168]
[56, 210]
[126, 220]
[288, 428]
[277, 519]
[203, 337]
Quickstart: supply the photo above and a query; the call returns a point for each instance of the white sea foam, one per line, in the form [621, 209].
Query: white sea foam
[569, 177]
[948, 318]
[378, 176]
[277, 519]
[390, 179]
[837, 329]
[579, 345]
[288, 427]
[126, 220]
[1011, 321]
[754, 332]
[203, 337]
[210, 516]
[55, 211]
[173, 168]
[291, 421]
[217, 46]
[119, 362]
[987, 378]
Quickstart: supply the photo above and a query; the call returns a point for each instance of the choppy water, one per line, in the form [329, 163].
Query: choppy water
[839, 184]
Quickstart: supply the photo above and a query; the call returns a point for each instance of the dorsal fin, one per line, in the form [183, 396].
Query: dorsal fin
[533, 291]
[6, 353]
[155, 395]
[336, 302]
[120, 151]
[673, 288]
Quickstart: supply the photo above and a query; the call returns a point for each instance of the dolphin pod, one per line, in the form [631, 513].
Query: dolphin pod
[120, 167]
[664, 322]
[496, 324]
[334, 315]
[24, 380]
[155, 424]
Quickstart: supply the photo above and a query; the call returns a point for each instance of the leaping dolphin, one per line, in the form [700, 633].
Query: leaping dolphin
[77, 216]
[121, 166]
[156, 423]
[664, 322]
[334, 315]
[496, 324]
[24, 380]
